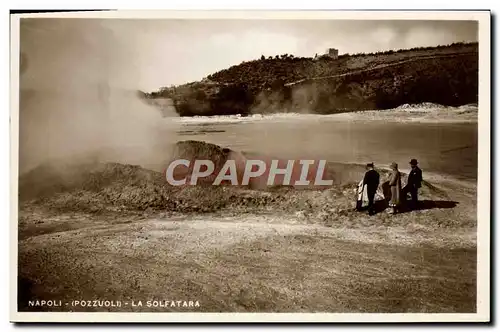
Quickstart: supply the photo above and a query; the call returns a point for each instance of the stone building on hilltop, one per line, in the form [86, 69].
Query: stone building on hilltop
[332, 53]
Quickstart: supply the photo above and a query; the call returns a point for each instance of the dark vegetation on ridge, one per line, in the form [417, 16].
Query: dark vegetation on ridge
[445, 75]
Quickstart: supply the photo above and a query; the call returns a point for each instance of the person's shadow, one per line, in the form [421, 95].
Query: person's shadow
[426, 204]
[405, 206]
[380, 205]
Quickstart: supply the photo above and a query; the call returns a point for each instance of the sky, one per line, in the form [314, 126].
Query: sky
[147, 54]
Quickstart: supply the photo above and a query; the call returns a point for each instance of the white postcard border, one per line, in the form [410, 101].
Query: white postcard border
[483, 189]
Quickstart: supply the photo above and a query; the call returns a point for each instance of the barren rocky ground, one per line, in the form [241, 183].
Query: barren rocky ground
[235, 249]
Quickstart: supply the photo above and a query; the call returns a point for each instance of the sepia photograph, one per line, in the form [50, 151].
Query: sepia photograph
[250, 166]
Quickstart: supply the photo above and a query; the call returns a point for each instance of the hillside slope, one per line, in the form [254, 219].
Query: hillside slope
[445, 74]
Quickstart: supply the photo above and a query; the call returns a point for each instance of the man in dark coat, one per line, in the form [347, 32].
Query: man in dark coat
[414, 183]
[371, 181]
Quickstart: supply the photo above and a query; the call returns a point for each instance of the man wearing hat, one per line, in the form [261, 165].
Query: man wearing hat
[371, 180]
[414, 183]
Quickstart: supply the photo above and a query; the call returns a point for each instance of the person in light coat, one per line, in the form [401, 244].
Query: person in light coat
[395, 185]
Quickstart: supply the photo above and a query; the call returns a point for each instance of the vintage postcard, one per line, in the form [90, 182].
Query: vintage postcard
[250, 166]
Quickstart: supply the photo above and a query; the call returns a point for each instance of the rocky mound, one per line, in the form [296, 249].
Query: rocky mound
[198, 150]
[119, 189]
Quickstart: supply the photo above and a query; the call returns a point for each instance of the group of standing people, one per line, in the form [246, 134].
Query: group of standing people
[372, 179]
